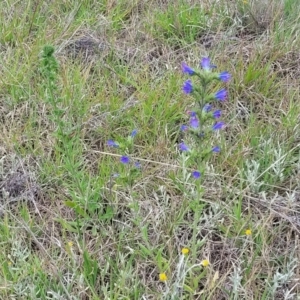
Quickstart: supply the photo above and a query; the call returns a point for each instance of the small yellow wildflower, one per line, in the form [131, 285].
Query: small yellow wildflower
[205, 262]
[69, 248]
[185, 251]
[163, 277]
[248, 231]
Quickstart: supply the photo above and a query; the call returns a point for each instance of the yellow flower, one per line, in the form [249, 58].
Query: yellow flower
[70, 244]
[248, 231]
[185, 251]
[205, 262]
[163, 277]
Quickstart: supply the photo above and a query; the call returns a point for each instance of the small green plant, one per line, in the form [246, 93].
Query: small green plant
[130, 170]
[68, 147]
[175, 286]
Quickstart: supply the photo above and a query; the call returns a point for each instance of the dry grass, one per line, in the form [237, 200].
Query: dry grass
[70, 230]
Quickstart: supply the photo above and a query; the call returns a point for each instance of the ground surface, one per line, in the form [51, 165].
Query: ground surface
[71, 229]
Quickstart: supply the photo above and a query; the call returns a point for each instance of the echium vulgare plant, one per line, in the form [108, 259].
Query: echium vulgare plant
[130, 169]
[204, 118]
[204, 121]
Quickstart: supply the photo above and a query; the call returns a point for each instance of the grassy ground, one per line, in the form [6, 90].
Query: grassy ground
[70, 229]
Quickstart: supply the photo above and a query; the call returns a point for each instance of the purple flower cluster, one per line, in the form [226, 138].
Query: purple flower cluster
[198, 118]
[207, 67]
[124, 159]
[194, 122]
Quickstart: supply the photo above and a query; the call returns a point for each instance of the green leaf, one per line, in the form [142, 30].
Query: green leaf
[76, 208]
[108, 215]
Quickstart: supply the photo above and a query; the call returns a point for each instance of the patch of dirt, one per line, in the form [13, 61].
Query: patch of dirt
[85, 47]
[288, 65]
[17, 182]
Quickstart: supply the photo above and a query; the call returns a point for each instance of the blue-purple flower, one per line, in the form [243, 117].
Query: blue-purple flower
[112, 143]
[184, 127]
[196, 174]
[224, 76]
[138, 165]
[124, 159]
[187, 87]
[183, 147]
[134, 133]
[186, 69]
[205, 63]
[216, 149]
[194, 122]
[207, 107]
[218, 125]
[221, 95]
[217, 114]
[192, 113]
